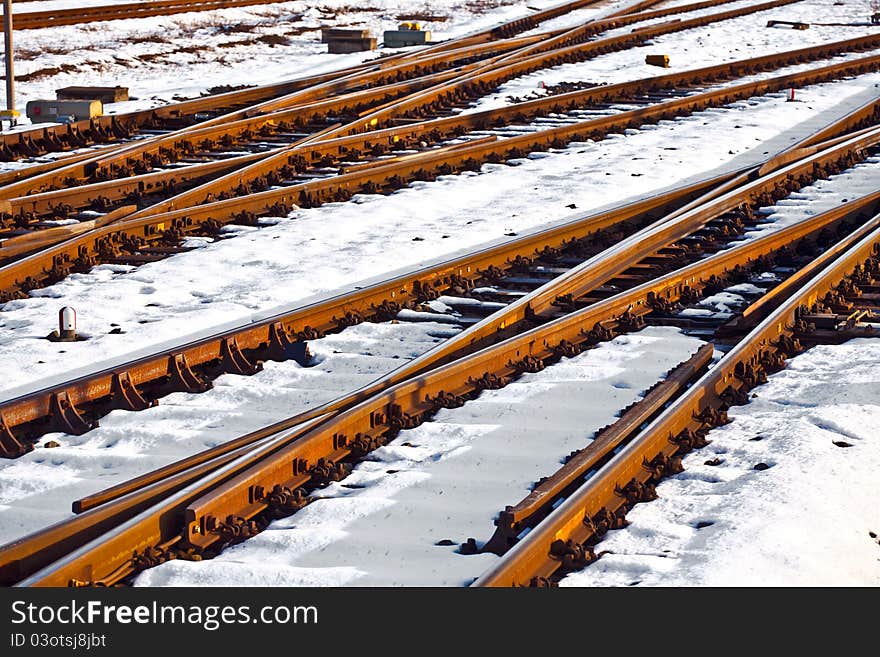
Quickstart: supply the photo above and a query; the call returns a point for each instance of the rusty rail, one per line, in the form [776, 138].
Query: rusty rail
[34, 20]
[563, 541]
[494, 76]
[54, 263]
[273, 163]
[316, 455]
[56, 137]
[526, 514]
[272, 338]
[450, 126]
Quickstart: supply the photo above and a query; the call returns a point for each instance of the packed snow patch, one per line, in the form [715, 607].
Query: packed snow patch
[793, 502]
[398, 518]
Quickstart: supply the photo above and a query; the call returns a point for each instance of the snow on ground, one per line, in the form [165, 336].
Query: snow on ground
[164, 57]
[698, 47]
[37, 488]
[319, 250]
[312, 252]
[399, 517]
[823, 195]
[812, 518]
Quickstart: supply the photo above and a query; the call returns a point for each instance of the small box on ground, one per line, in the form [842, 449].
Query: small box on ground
[339, 46]
[63, 111]
[657, 60]
[328, 34]
[104, 94]
[404, 38]
[795, 25]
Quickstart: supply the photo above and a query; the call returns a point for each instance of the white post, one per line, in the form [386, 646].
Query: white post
[67, 324]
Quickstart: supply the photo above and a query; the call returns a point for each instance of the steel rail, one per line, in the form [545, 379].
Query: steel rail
[33, 20]
[158, 481]
[579, 33]
[316, 456]
[521, 111]
[313, 107]
[52, 264]
[245, 493]
[492, 77]
[85, 195]
[559, 541]
[334, 314]
[524, 66]
[268, 107]
[514, 520]
[527, 513]
[342, 146]
[463, 270]
[273, 334]
[78, 132]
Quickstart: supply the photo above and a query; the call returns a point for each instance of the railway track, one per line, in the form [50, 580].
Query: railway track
[230, 503]
[191, 368]
[211, 109]
[34, 20]
[295, 112]
[270, 185]
[222, 107]
[29, 202]
[522, 306]
[829, 307]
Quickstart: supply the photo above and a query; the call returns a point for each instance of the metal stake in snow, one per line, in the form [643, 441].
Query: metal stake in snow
[790, 98]
[9, 114]
[67, 324]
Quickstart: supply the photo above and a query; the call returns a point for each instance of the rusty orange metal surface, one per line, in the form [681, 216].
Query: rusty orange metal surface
[280, 467]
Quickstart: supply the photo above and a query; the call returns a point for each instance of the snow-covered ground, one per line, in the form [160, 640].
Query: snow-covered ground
[313, 252]
[166, 57]
[339, 245]
[163, 301]
[400, 516]
[811, 518]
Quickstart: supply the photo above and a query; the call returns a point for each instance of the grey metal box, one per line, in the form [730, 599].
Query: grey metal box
[403, 38]
[63, 111]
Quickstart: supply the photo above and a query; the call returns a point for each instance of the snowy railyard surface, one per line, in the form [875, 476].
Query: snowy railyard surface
[811, 517]
[399, 518]
[804, 520]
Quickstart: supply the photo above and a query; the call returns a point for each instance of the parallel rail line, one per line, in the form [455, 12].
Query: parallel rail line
[130, 235]
[253, 172]
[123, 159]
[109, 128]
[34, 20]
[277, 338]
[669, 251]
[565, 538]
[319, 454]
[218, 107]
